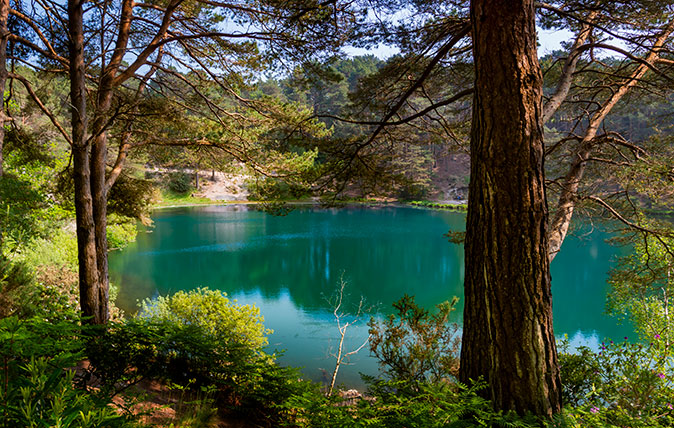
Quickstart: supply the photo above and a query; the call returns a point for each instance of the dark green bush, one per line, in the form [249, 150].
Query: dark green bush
[15, 281]
[38, 380]
[180, 182]
[624, 384]
[415, 345]
[19, 209]
[198, 340]
[432, 405]
[132, 197]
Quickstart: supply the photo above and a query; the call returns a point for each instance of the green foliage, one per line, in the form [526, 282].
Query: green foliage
[624, 384]
[272, 189]
[433, 405]
[415, 345]
[429, 204]
[19, 204]
[121, 231]
[131, 197]
[59, 250]
[38, 383]
[197, 340]
[223, 320]
[15, 280]
[642, 288]
[27, 148]
[137, 349]
[41, 281]
[180, 182]
[28, 209]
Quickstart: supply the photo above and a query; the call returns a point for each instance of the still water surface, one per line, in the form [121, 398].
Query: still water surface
[288, 267]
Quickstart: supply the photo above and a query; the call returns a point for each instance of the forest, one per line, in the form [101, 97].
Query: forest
[114, 109]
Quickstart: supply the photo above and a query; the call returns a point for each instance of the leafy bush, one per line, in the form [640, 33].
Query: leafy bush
[197, 339]
[275, 189]
[15, 280]
[642, 288]
[624, 384]
[415, 345]
[121, 231]
[132, 197]
[180, 182]
[19, 207]
[38, 383]
[223, 320]
[60, 250]
[432, 405]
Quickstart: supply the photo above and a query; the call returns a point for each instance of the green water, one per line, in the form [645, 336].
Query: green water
[289, 267]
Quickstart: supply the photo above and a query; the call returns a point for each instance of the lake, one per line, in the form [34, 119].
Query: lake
[290, 265]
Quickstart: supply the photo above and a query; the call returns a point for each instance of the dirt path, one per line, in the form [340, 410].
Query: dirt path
[220, 186]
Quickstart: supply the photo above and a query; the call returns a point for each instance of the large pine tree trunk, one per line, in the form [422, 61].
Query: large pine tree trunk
[507, 334]
[84, 211]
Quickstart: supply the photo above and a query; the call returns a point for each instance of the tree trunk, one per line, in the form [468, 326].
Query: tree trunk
[100, 204]
[84, 212]
[507, 334]
[4, 34]
[568, 197]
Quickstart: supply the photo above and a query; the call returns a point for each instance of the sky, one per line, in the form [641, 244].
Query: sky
[549, 41]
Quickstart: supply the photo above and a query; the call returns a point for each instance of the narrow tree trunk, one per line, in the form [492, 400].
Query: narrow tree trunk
[100, 203]
[4, 34]
[84, 212]
[99, 188]
[568, 198]
[507, 334]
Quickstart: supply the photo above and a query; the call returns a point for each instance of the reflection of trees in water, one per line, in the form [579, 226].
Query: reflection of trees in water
[383, 254]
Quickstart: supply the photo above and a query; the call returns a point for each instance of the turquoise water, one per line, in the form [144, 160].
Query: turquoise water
[290, 266]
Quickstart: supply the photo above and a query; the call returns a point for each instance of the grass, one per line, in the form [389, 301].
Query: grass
[437, 205]
[170, 198]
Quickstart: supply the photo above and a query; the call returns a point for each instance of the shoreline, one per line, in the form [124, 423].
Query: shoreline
[457, 206]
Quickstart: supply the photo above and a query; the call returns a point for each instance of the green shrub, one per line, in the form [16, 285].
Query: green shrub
[223, 320]
[132, 197]
[642, 287]
[38, 383]
[180, 182]
[20, 205]
[121, 231]
[624, 384]
[275, 189]
[15, 282]
[198, 340]
[432, 405]
[59, 250]
[414, 345]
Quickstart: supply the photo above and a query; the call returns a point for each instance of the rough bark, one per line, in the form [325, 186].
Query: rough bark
[84, 212]
[507, 335]
[4, 34]
[99, 204]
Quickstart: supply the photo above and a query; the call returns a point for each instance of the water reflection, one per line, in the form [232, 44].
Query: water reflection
[289, 265]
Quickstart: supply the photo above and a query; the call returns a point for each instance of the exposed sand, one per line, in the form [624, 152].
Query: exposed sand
[220, 186]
